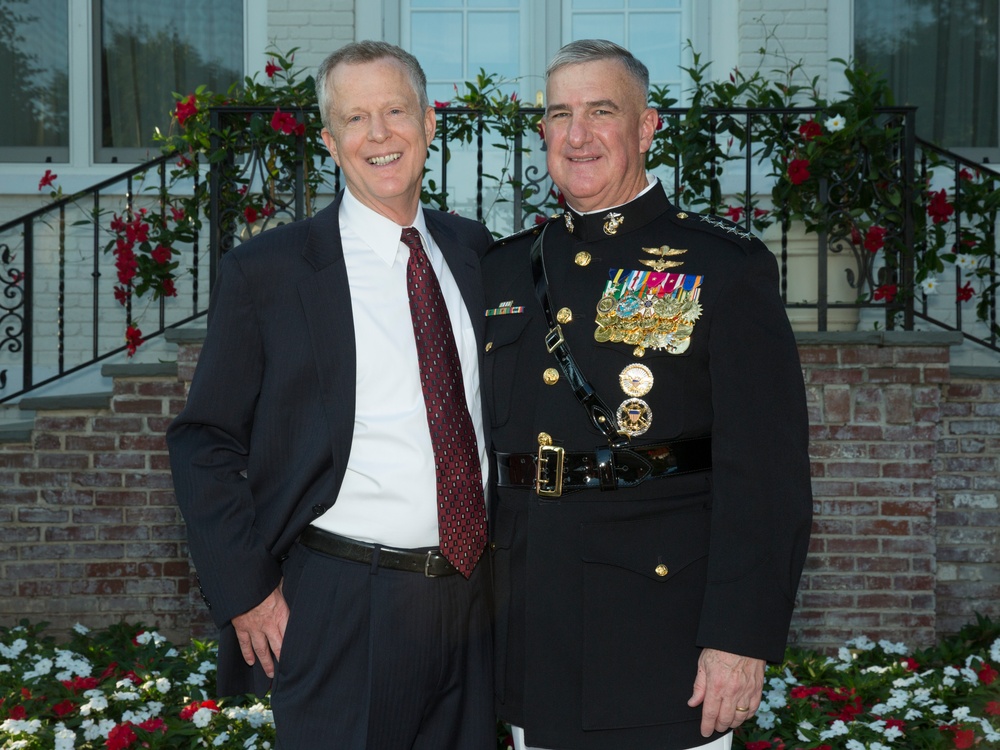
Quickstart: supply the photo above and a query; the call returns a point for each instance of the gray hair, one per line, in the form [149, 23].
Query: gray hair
[593, 50]
[365, 52]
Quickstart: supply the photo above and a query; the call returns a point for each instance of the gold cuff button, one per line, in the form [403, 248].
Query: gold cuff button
[565, 315]
[551, 376]
[544, 438]
[489, 345]
[661, 570]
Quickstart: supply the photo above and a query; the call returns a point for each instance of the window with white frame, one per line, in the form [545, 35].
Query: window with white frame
[129, 57]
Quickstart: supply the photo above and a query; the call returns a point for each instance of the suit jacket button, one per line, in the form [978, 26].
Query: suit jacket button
[661, 570]
[319, 509]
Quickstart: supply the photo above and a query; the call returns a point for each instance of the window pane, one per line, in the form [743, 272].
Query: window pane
[34, 50]
[610, 26]
[654, 4]
[435, 3]
[436, 41]
[597, 5]
[940, 57]
[494, 44]
[655, 38]
[494, 3]
[149, 50]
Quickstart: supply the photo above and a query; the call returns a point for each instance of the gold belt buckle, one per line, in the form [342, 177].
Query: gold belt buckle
[549, 477]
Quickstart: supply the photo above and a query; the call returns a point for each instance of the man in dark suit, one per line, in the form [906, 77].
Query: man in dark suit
[329, 462]
[648, 416]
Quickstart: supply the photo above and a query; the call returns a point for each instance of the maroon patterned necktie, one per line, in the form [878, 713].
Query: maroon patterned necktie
[461, 507]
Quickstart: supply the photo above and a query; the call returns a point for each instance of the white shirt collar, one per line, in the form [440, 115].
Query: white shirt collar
[376, 231]
[651, 180]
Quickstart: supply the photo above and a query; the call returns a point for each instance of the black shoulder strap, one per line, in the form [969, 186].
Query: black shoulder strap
[601, 416]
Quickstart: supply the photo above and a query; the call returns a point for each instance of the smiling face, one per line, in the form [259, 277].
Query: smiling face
[379, 135]
[597, 132]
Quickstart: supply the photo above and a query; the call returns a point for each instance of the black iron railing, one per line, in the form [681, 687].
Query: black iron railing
[58, 312]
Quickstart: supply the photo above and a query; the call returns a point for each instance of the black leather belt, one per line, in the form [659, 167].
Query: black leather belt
[429, 562]
[552, 471]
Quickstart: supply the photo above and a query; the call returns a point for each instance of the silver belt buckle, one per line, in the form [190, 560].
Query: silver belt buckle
[427, 565]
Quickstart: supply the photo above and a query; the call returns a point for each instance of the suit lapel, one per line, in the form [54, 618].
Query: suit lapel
[462, 261]
[326, 301]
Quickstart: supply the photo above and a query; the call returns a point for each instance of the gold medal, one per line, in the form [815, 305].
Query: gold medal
[634, 417]
[606, 304]
[636, 379]
[602, 334]
[582, 258]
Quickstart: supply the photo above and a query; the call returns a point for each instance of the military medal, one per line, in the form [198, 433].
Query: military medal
[649, 310]
[636, 379]
[634, 417]
[568, 218]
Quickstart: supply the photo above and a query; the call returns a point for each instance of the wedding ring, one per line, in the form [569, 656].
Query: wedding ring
[742, 710]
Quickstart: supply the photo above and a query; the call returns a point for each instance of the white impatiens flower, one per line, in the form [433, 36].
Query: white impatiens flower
[893, 733]
[835, 123]
[93, 730]
[206, 666]
[196, 679]
[836, 729]
[221, 739]
[854, 745]
[961, 713]
[995, 650]
[894, 648]
[21, 726]
[804, 725]
[163, 685]
[65, 739]
[81, 629]
[929, 285]
[202, 717]
[97, 702]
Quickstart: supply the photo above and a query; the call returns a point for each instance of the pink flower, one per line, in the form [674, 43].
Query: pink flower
[285, 122]
[271, 69]
[47, 179]
[186, 108]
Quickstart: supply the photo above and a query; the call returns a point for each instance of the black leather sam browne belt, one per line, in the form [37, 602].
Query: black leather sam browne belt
[553, 471]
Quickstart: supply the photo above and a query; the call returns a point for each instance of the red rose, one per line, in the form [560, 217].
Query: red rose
[47, 179]
[798, 171]
[250, 214]
[167, 288]
[186, 108]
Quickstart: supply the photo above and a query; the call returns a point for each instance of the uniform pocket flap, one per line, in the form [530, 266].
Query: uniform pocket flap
[658, 547]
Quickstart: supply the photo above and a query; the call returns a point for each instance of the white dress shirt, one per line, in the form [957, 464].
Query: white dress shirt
[389, 495]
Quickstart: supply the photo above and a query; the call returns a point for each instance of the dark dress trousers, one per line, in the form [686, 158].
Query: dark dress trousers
[605, 598]
[261, 448]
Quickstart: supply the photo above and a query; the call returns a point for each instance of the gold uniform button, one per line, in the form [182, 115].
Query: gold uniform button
[489, 345]
[544, 438]
[582, 258]
[661, 570]
[551, 376]
[682, 215]
[565, 315]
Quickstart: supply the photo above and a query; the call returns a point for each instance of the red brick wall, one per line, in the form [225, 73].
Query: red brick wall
[906, 475]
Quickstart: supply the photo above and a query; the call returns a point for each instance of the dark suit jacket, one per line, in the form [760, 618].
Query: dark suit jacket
[261, 447]
[604, 599]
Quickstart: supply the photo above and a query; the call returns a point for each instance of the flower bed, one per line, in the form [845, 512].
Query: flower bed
[127, 687]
